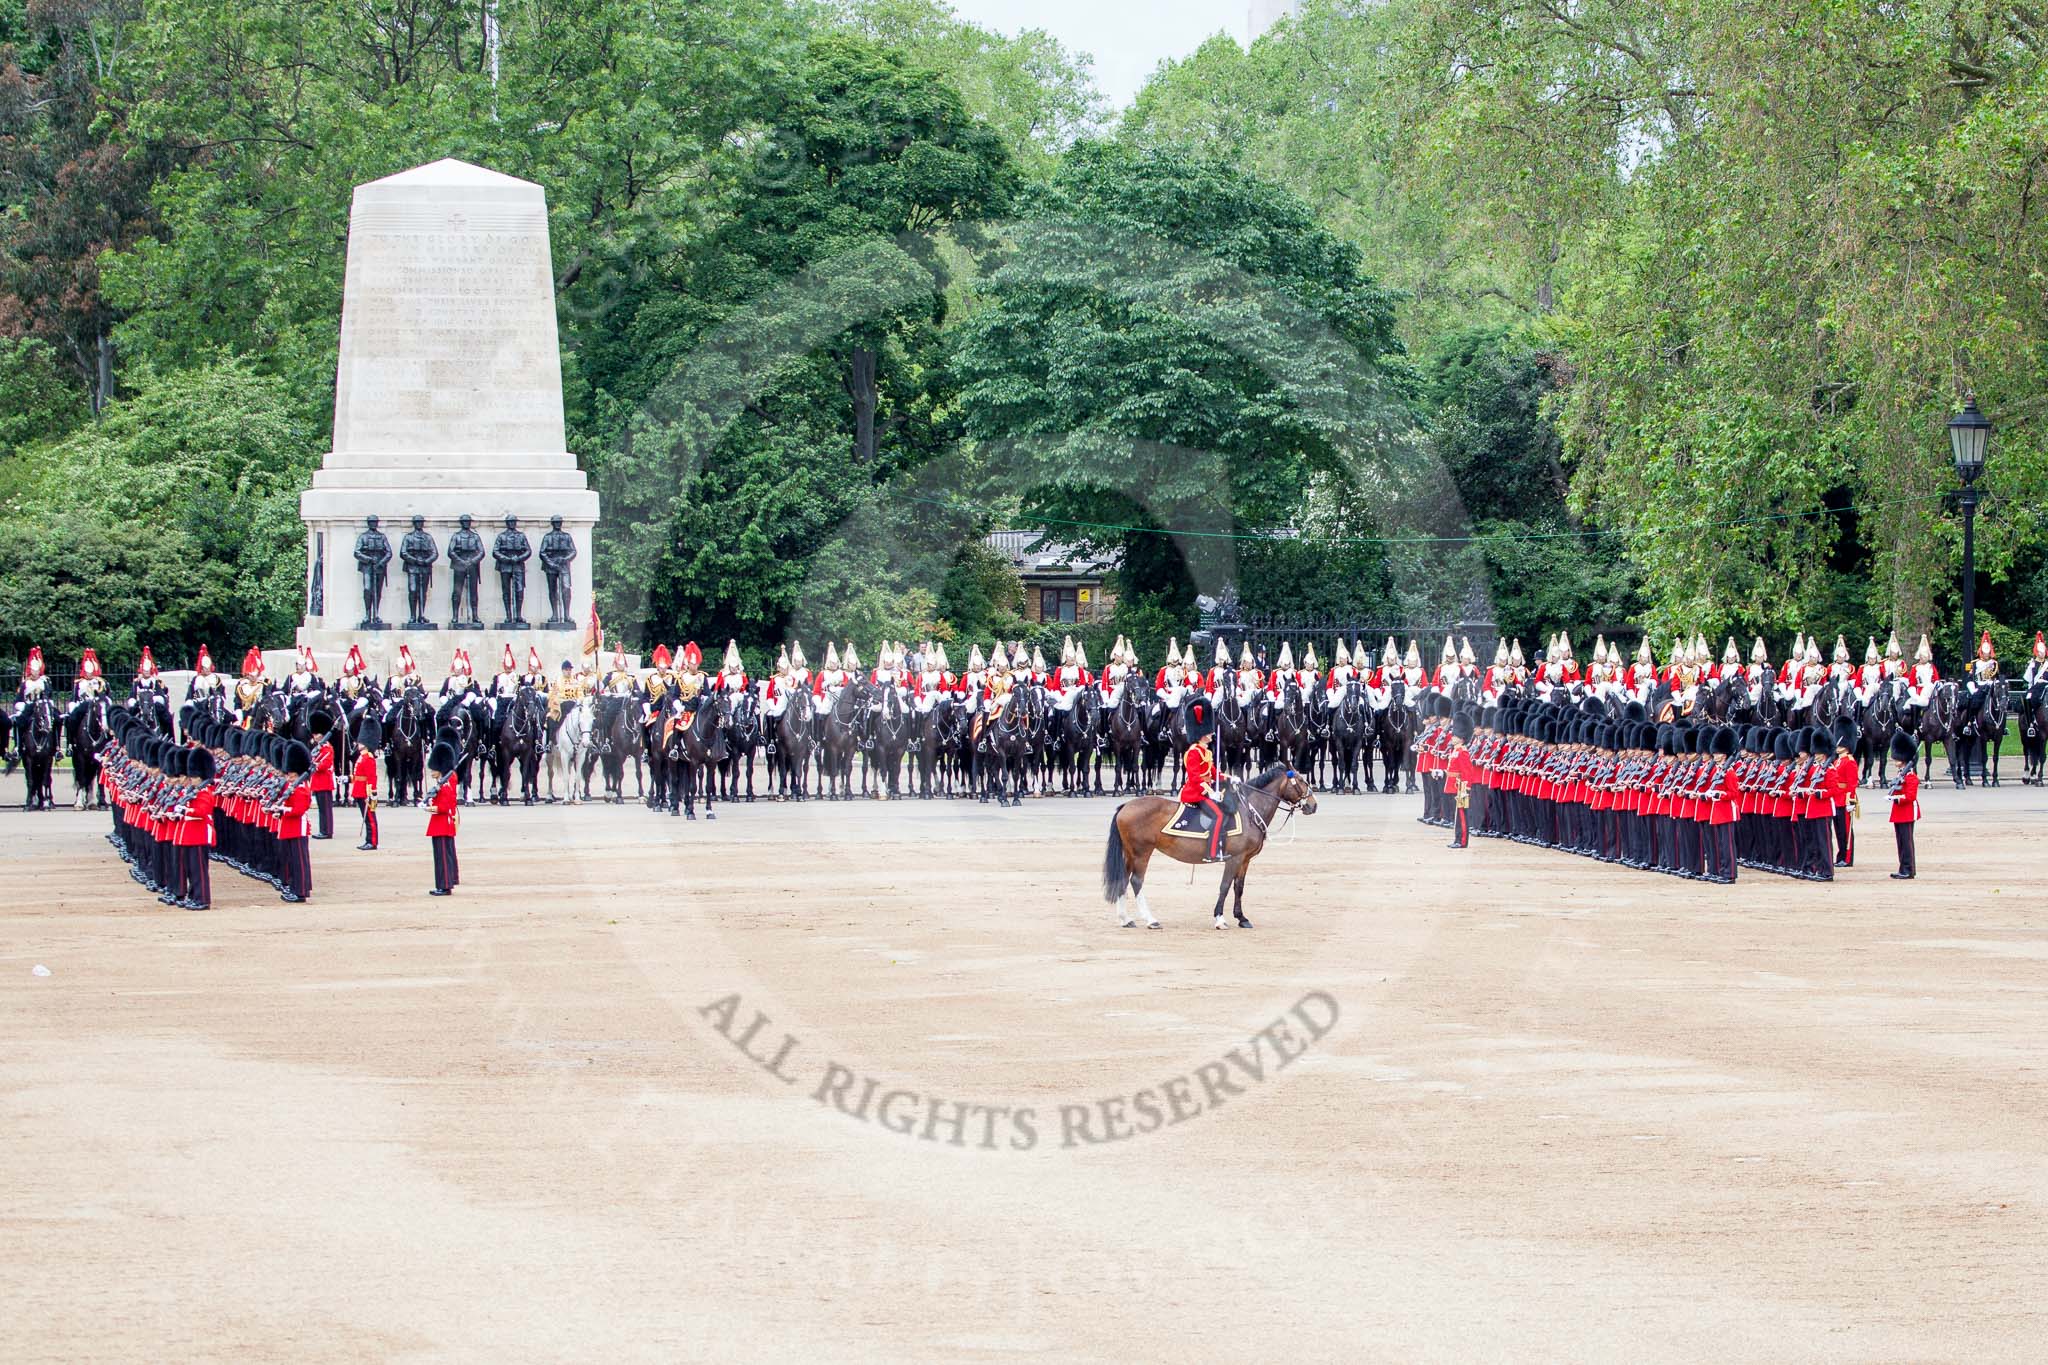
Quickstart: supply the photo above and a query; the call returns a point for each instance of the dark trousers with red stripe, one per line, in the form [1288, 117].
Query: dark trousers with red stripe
[323, 804]
[369, 820]
[1463, 826]
[1908, 864]
[447, 872]
[296, 870]
[1845, 839]
[198, 877]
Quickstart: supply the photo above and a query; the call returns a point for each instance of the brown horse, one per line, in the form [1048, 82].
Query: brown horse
[1137, 831]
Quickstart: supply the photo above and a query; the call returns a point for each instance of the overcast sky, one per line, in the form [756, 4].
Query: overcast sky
[1127, 38]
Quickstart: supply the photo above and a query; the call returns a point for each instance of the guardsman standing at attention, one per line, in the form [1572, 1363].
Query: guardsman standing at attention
[1905, 803]
[1462, 773]
[295, 862]
[1845, 775]
[442, 821]
[322, 782]
[362, 780]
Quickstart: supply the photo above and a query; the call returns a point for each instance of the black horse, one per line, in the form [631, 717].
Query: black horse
[2034, 734]
[930, 736]
[743, 734]
[616, 738]
[1127, 731]
[85, 731]
[521, 733]
[796, 739]
[407, 726]
[1008, 744]
[1076, 743]
[36, 734]
[1979, 733]
[1877, 720]
[888, 740]
[1353, 729]
[1397, 727]
[694, 741]
[839, 739]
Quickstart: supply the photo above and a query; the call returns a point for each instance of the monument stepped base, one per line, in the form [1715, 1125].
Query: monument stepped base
[432, 650]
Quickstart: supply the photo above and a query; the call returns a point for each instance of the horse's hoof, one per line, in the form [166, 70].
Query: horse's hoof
[1153, 924]
[1219, 922]
[1243, 923]
[1128, 924]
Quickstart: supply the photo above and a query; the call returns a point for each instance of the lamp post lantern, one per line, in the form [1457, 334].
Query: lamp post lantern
[1969, 437]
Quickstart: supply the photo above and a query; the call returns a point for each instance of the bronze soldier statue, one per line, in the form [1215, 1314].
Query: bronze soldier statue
[465, 560]
[510, 552]
[373, 560]
[557, 555]
[417, 552]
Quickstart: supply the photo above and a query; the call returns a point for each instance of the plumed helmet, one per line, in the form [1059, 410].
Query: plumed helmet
[442, 759]
[1905, 749]
[298, 759]
[1870, 655]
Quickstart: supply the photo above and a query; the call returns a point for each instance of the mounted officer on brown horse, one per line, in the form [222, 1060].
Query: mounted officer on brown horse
[1215, 820]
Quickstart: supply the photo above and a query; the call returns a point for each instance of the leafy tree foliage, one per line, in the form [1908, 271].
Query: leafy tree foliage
[1171, 343]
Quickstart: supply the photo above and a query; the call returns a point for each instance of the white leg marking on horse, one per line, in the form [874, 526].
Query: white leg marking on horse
[1143, 909]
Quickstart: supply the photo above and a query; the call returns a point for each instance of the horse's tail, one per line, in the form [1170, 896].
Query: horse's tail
[1116, 873]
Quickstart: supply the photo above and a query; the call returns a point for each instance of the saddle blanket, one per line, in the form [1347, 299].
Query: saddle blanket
[1192, 822]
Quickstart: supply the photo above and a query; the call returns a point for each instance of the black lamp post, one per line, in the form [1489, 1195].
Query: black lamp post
[1969, 436]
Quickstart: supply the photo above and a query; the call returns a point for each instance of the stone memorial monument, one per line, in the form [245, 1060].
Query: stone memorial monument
[448, 408]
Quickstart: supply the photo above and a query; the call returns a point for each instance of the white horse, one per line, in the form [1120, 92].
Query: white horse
[566, 754]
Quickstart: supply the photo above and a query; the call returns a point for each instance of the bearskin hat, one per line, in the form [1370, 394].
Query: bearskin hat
[321, 723]
[370, 734]
[1785, 744]
[199, 764]
[1461, 726]
[442, 760]
[1724, 742]
[1905, 749]
[298, 759]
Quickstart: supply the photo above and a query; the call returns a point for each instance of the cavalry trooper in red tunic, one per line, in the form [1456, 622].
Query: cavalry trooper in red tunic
[1920, 681]
[2037, 667]
[1871, 675]
[1983, 676]
[732, 672]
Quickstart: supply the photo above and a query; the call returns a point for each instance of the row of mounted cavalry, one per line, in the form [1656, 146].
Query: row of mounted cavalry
[872, 740]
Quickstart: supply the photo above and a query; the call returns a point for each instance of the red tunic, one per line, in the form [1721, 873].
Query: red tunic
[1200, 767]
[195, 830]
[363, 779]
[292, 823]
[323, 767]
[1906, 800]
[442, 822]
